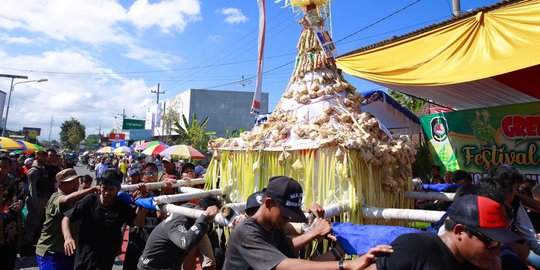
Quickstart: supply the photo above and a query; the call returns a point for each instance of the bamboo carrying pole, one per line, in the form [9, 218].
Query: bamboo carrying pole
[158, 185]
[430, 196]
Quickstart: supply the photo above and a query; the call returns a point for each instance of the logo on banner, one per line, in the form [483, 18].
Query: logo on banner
[439, 129]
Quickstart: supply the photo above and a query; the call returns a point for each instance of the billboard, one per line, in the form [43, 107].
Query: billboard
[140, 134]
[117, 137]
[118, 144]
[31, 132]
[477, 140]
[128, 124]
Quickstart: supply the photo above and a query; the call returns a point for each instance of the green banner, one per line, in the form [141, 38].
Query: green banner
[478, 139]
[133, 124]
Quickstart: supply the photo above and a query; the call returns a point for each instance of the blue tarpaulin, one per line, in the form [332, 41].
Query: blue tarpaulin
[439, 187]
[359, 239]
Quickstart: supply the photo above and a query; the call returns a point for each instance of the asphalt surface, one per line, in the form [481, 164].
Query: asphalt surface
[30, 262]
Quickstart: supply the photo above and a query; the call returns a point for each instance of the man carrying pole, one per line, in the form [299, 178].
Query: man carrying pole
[171, 240]
[260, 243]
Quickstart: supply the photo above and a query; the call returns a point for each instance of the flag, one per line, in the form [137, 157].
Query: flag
[256, 104]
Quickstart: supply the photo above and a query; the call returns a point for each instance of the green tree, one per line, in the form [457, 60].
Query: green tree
[169, 118]
[90, 140]
[194, 133]
[413, 104]
[72, 132]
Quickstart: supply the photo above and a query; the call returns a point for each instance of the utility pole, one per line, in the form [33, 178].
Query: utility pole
[456, 8]
[13, 77]
[99, 133]
[50, 129]
[157, 92]
[123, 115]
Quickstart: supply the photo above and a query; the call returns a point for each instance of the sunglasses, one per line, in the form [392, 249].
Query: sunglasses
[150, 173]
[488, 242]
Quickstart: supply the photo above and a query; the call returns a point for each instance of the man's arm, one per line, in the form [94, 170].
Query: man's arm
[69, 242]
[141, 217]
[33, 177]
[320, 228]
[529, 202]
[363, 262]
[75, 196]
[189, 238]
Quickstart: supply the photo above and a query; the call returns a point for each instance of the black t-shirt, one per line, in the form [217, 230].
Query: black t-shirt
[419, 251]
[52, 170]
[253, 247]
[100, 233]
[535, 219]
[170, 241]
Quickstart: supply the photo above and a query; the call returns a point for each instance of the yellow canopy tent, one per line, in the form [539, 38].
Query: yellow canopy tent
[481, 58]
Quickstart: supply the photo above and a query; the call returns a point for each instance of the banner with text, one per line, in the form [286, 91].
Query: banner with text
[128, 124]
[478, 139]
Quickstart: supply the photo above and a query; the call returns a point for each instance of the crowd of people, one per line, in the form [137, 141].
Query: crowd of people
[71, 221]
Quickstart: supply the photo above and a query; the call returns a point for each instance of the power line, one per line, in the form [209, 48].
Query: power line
[229, 55]
[395, 30]
[378, 21]
[251, 77]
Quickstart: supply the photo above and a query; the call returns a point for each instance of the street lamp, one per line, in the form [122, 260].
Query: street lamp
[9, 99]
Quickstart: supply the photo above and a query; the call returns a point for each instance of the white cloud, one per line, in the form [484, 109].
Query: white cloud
[15, 40]
[167, 15]
[101, 22]
[93, 22]
[150, 57]
[233, 15]
[94, 94]
[215, 38]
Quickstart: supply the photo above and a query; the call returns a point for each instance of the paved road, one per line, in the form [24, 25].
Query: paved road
[30, 262]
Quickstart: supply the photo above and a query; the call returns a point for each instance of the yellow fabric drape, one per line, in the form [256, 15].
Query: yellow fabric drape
[482, 46]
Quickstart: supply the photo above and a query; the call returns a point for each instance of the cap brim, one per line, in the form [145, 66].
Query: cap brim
[71, 178]
[502, 235]
[293, 214]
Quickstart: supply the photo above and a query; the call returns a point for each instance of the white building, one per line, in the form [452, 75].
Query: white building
[224, 109]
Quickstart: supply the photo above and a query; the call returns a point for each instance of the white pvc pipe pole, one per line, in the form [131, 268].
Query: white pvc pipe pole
[430, 196]
[333, 210]
[184, 197]
[191, 213]
[402, 214]
[158, 185]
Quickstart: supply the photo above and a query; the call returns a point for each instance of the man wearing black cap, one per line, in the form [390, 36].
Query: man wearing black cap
[260, 243]
[475, 230]
[102, 216]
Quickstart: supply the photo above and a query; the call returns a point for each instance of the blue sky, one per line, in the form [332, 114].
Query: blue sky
[102, 56]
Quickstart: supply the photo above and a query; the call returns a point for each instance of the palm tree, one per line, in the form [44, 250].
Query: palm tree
[194, 133]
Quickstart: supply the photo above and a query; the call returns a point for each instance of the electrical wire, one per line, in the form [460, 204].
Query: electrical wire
[378, 21]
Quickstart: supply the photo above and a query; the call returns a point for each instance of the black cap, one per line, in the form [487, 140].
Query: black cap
[186, 166]
[255, 200]
[288, 195]
[484, 215]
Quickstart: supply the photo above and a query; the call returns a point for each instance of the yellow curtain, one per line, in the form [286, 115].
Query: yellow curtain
[482, 46]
